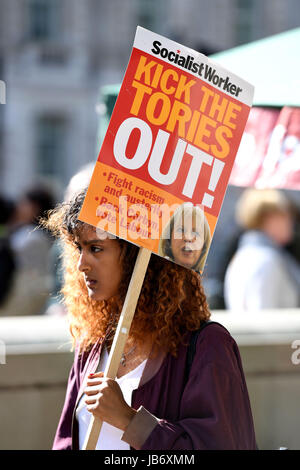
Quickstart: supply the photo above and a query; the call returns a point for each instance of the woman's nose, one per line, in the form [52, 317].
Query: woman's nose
[83, 264]
[189, 236]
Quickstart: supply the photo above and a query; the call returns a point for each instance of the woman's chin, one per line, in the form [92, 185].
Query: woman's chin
[187, 261]
[98, 296]
[95, 295]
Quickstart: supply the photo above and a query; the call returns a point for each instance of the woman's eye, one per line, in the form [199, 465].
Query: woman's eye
[78, 247]
[96, 249]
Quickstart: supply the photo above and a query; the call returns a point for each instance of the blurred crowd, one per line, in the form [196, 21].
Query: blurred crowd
[262, 272]
[25, 270]
[30, 267]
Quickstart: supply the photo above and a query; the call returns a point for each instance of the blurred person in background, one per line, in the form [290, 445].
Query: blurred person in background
[31, 247]
[262, 274]
[7, 259]
[79, 181]
[55, 305]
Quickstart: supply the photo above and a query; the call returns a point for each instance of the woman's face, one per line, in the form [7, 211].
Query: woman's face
[99, 263]
[279, 227]
[187, 240]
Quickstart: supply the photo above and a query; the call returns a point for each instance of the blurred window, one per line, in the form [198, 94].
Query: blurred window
[245, 10]
[43, 19]
[147, 10]
[50, 145]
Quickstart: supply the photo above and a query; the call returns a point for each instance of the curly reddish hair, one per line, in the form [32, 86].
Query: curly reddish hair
[171, 302]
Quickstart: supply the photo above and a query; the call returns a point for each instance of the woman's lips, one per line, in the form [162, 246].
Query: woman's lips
[187, 249]
[91, 283]
[187, 254]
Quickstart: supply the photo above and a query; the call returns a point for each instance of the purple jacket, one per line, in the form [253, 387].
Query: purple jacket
[208, 410]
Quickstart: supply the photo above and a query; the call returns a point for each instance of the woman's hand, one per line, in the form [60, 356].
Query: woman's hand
[106, 402]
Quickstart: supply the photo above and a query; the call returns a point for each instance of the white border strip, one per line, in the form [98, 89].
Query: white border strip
[144, 41]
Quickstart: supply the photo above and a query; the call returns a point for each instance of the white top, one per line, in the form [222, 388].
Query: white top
[33, 280]
[110, 437]
[257, 278]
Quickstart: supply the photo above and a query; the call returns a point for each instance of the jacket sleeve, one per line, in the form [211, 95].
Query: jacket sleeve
[63, 436]
[215, 409]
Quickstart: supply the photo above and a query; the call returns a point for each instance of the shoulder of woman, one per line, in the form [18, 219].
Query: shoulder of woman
[216, 329]
[215, 342]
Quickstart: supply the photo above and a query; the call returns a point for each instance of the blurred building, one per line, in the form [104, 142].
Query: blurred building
[56, 54]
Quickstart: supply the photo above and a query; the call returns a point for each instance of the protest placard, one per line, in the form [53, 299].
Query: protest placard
[165, 161]
[172, 139]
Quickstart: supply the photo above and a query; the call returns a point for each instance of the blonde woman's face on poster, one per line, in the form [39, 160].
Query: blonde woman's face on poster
[187, 239]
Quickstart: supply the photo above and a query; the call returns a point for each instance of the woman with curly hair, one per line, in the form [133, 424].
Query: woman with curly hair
[159, 399]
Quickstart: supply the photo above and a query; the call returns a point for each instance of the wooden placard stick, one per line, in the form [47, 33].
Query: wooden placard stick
[121, 335]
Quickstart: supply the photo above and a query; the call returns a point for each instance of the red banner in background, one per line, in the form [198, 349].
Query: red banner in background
[269, 153]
